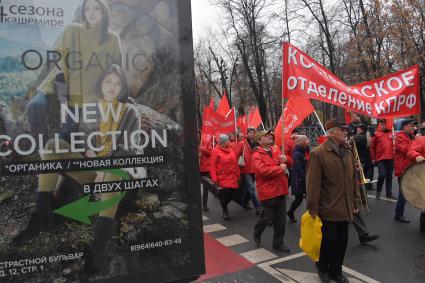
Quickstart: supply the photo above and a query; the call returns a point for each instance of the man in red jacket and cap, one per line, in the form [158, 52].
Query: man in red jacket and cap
[417, 153]
[403, 141]
[382, 154]
[272, 187]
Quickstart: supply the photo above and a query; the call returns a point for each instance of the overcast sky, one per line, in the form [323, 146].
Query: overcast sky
[204, 15]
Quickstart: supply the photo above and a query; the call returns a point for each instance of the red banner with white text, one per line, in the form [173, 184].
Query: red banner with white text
[394, 95]
[215, 124]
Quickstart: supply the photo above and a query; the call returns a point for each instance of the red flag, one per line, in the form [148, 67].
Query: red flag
[241, 123]
[224, 107]
[389, 123]
[227, 124]
[212, 103]
[256, 120]
[207, 125]
[296, 110]
[393, 95]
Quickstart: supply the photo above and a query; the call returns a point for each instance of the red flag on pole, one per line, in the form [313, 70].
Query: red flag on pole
[296, 110]
[223, 107]
[228, 124]
[207, 125]
[256, 120]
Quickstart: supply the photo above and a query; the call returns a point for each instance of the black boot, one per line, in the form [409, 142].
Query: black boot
[205, 200]
[226, 216]
[422, 222]
[41, 218]
[95, 255]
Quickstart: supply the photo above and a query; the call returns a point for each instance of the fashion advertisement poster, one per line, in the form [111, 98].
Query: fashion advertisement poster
[98, 157]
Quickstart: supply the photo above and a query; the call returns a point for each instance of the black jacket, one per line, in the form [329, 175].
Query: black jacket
[363, 149]
[298, 171]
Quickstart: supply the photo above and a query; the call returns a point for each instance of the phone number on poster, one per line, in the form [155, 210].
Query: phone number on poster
[158, 244]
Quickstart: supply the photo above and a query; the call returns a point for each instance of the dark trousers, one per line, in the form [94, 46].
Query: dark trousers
[334, 245]
[204, 188]
[225, 196]
[401, 202]
[422, 222]
[385, 170]
[295, 204]
[360, 225]
[275, 210]
[248, 187]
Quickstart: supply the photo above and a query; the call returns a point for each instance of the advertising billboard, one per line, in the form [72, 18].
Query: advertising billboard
[98, 158]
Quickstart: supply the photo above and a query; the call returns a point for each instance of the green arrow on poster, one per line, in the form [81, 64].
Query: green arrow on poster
[81, 209]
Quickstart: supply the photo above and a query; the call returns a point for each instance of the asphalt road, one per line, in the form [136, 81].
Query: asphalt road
[398, 256]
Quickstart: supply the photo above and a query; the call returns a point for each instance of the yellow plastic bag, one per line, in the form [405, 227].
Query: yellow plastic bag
[311, 236]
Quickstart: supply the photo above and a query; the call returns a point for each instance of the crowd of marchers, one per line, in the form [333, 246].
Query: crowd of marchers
[249, 167]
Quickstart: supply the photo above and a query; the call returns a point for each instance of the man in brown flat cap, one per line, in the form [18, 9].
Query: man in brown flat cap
[333, 195]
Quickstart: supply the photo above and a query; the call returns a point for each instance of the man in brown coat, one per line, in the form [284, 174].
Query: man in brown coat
[333, 195]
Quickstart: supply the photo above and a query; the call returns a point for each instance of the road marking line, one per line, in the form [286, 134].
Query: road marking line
[282, 259]
[232, 240]
[275, 272]
[213, 228]
[359, 275]
[258, 255]
[204, 218]
[382, 198]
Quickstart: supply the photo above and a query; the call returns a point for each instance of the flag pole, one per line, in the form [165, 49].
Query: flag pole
[236, 126]
[320, 122]
[229, 113]
[262, 124]
[283, 124]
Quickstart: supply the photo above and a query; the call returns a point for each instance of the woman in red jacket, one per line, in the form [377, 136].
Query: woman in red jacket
[224, 172]
[272, 187]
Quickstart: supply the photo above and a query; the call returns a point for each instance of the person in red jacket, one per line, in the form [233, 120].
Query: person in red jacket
[224, 172]
[272, 187]
[382, 154]
[417, 153]
[204, 164]
[247, 147]
[403, 141]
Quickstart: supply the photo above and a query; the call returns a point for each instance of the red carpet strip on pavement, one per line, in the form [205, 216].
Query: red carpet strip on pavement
[220, 260]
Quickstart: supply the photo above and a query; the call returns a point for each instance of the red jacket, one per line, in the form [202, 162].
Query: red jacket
[224, 168]
[382, 147]
[271, 180]
[247, 153]
[402, 145]
[205, 152]
[417, 148]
